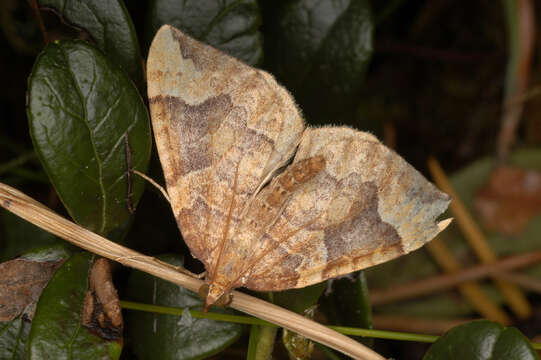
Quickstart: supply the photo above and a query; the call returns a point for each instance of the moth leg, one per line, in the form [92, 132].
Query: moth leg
[194, 275]
[202, 275]
[180, 269]
[189, 273]
[155, 184]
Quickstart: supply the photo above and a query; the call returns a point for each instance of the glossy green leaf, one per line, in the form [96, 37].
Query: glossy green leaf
[89, 125]
[231, 25]
[14, 333]
[56, 331]
[110, 27]
[13, 337]
[156, 336]
[320, 51]
[19, 236]
[54, 252]
[301, 299]
[419, 264]
[346, 302]
[480, 340]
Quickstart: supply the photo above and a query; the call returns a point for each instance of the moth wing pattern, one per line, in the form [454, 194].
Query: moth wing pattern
[222, 128]
[225, 133]
[367, 206]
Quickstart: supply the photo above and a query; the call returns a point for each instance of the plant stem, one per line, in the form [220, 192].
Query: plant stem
[265, 343]
[377, 334]
[237, 319]
[477, 240]
[18, 161]
[444, 282]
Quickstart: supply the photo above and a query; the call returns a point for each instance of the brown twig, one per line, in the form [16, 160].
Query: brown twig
[477, 240]
[37, 14]
[527, 282]
[129, 174]
[522, 40]
[443, 282]
[36, 213]
[470, 290]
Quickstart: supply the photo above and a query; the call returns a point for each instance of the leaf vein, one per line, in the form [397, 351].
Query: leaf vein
[92, 141]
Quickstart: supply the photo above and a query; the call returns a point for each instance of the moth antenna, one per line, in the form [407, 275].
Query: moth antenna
[155, 184]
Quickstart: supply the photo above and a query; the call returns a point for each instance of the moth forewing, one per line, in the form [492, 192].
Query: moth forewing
[223, 128]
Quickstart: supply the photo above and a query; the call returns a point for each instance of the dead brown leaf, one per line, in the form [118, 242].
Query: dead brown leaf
[21, 284]
[509, 200]
[101, 311]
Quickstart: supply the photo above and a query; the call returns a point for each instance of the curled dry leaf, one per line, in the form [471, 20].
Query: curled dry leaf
[21, 284]
[101, 311]
[510, 199]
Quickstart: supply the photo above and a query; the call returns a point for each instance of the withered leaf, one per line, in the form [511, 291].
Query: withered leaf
[510, 199]
[21, 284]
[101, 311]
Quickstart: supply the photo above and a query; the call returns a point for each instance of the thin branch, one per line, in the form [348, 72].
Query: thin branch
[382, 320]
[520, 17]
[18, 161]
[477, 240]
[472, 291]
[155, 184]
[443, 282]
[418, 324]
[37, 14]
[525, 281]
[36, 213]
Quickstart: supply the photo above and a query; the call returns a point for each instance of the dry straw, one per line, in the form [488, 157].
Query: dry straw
[39, 215]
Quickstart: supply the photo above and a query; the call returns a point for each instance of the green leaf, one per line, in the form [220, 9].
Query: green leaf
[320, 51]
[19, 236]
[14, 333]
[231, 25]
[299, 300]
[346, 303]
[481, 340]
[54, 252]
[110, 27]
[155, 336]
[88, 125]
[56, 331]
[13, 337]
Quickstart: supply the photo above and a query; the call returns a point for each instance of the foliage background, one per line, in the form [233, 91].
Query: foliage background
[427, 77]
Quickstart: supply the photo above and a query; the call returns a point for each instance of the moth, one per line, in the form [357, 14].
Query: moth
[264, 201]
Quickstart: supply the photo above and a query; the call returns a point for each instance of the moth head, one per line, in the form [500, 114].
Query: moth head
[214, 295]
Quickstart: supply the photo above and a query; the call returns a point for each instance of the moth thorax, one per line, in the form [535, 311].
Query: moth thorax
[302, 172]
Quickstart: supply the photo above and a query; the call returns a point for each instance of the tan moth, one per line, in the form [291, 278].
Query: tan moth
[226, 131]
